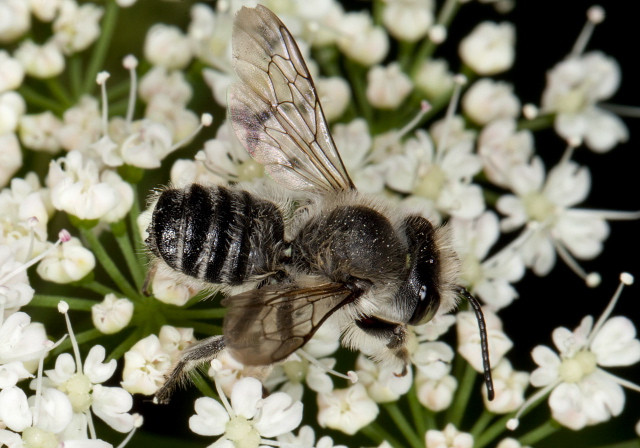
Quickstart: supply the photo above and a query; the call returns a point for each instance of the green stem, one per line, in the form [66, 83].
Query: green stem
[456, 411]
[356, 74]
[101, 47]
[99, 288]
[58, 90]
[494, 431]
[36, 99]
[375, 432]
[539, 433]
[133, 263]
[203, 385]
[403, 425]
[416, 410]
[83, 337]
[635, 443]
[482, 422]
[125, 345]
[213, 313]
[75, 304]
[538, 123]
[75, 76]
[117, 91]
[109, 265]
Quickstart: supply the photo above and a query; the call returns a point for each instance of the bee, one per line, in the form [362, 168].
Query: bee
[329, 252]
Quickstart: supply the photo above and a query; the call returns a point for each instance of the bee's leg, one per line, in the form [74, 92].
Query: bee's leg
[203, 351]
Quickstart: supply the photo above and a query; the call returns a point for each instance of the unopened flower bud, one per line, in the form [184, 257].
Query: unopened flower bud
[167, 46]
[489, 49]
[40, 61]
[112, 314]
[387, 86]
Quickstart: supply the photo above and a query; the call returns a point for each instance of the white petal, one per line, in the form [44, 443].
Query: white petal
[245, 396]
[95, 369]
[112, 405]
[278, 415]
[211, 417]
[566, 403]
[616, 343]
[14, 409]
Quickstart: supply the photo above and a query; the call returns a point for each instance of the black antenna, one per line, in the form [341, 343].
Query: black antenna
[484, 343]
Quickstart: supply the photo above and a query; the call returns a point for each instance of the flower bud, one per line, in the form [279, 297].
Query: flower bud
[10, 157]
[335, 95]
[112, 314]
[408, 21]
[11, 72]
[12, 107]
[434, 78]
[39, 132]
[40, 61]
[387, 86]
[167, 46]
[488, 100]
[361, 40]
[489, 49]
[15, 19]
[69, 262]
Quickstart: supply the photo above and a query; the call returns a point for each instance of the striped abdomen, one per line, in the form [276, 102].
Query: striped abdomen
[216, 234]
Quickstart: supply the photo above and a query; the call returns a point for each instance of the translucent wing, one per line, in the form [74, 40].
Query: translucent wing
[263, 326]
[275, 109]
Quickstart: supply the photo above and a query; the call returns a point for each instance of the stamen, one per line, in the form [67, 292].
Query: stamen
[459, 80]
[101, 80]
[63, 307]
[530, 111]
[620, 381]
[31, 223]
[510, 250]
[609, 215]
[484, 342]
[36, 407]
[624, 280]
[513, 423]
[131, 63]
[595, 15]
[438, 34]
[216, 365]
[137, 422]
[591, 279]
[572, 144]
[351, 375]
[205, 121]
[623, 111]
[63, 237]
[92, 428]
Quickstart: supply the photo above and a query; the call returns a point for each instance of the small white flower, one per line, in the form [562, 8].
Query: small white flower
[574, 87]
[436, 327]
[583, 393]
[387, 87]
[69, 262]
[488, 100]
[145, 365]
[347, 410]
[11, 72]
[40, 61]
[160, 81]
[383, 386]
[76, 188]
[489, 278]
[21, 339]
[408, 20]
[434, 78]
[210, 35]
[54, 411]
[175, 340]
[112, 314]
[10, 157]
[15, 291]
[489, 49]
[180, 121]
[82, 125]
[435, 394]
[167, 46]
[16, 19]
[469, 339]
[45, 10]
[449, 438]
[12, 107]
[360, 40]
[40, 132]
[335, 95]
[249, 418]
[77, 26]
[166, 288]
[306, 438]
[502, 147]
[440, 176]
[510, 443]
[509, 386]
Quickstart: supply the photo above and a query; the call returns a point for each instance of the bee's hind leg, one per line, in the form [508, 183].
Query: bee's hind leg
[203, 351]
